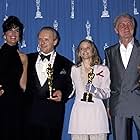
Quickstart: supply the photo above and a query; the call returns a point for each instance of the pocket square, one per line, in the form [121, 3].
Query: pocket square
[63, 71]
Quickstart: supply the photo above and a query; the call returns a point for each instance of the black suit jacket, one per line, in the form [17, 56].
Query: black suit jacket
[43, 111]
[125, 91]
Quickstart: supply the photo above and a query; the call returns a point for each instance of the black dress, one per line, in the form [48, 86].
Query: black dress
[11, 101]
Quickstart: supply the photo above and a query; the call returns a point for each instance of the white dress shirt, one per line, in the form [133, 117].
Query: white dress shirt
[126, 52]
[41, 66]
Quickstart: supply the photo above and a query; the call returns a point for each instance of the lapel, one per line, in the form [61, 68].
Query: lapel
[57, 65]
[56, 68]
[32, 64]
[133, 62]
[134, 56]
[120, 58]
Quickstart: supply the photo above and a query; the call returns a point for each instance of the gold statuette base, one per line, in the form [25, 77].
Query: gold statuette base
[87, 97]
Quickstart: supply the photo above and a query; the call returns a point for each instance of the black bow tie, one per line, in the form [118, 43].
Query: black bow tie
[45, 56]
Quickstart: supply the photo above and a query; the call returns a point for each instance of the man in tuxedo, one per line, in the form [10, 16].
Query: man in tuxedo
[123, 60]
[49, 85]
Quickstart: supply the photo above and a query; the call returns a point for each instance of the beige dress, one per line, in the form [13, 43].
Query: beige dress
[88, 117]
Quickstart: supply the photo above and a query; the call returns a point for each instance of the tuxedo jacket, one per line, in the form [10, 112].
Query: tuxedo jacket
[125, 89]
[43, 111]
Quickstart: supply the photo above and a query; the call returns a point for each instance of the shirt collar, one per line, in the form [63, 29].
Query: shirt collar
[50, 53]
[129, 45]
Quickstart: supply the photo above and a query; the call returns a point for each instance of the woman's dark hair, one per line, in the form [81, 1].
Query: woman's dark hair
[13, 22]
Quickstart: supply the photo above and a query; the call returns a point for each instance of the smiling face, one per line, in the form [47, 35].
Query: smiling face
[12, 30]
[85, 50]
[47, 41]
[125, 28]
[12, 36]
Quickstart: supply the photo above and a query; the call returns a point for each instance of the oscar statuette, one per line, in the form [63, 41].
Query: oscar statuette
[87, 96]
[50, 79]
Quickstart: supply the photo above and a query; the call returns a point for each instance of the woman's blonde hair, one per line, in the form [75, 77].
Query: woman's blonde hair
[95, 56]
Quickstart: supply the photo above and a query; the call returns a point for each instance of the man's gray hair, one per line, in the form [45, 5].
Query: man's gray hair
[125, 15]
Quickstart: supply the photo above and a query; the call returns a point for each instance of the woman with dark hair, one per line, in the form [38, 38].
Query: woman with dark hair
[13, 77]
[91, 81]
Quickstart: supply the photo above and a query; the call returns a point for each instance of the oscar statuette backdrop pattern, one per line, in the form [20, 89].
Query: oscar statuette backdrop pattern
[75, 20]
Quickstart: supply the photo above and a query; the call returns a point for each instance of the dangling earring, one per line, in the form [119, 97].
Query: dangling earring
[38, 48]
[4, 39]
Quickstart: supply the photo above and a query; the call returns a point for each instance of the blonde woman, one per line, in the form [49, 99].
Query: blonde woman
[91, 82]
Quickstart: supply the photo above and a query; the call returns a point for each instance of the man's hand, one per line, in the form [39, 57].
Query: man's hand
[57, 96]
[1, 90]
